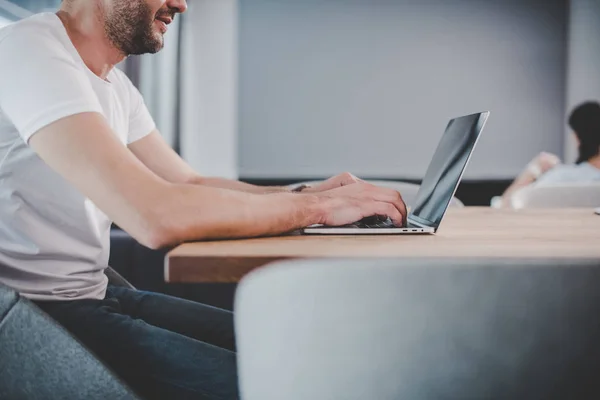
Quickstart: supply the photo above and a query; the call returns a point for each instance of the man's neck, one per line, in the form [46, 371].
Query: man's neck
[86, 30]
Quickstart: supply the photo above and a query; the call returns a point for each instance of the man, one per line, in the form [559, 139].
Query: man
[78, 150]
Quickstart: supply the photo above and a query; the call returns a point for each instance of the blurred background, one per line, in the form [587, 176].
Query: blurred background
[280, 91]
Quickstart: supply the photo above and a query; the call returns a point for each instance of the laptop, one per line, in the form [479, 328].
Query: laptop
[437, 189]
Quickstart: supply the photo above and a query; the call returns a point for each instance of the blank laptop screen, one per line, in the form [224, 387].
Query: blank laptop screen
[446, 168]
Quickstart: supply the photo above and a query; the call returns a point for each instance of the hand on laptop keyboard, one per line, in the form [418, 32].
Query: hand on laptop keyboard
[375, 221]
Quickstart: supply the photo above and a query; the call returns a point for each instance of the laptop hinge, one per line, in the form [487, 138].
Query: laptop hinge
[418, 224]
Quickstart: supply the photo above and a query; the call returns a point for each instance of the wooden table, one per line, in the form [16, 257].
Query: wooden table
[465, 232]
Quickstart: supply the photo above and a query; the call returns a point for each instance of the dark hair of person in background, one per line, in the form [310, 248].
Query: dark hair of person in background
[585, 123]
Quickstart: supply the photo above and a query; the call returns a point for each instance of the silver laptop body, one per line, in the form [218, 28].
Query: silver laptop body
[439, 184]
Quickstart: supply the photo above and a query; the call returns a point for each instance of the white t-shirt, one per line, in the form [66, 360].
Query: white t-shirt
[54, 242]
[572, 173]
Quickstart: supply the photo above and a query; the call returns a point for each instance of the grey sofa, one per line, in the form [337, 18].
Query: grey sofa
[40, 360]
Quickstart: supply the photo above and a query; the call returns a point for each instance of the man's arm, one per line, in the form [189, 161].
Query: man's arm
[160, 158]
[84, 150]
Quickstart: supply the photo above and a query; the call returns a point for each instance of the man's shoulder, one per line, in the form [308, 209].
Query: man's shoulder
[121, 77]
[35, 31]
[123, 83]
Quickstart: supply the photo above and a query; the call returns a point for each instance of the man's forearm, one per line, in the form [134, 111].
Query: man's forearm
[237, 185]
[196, 212]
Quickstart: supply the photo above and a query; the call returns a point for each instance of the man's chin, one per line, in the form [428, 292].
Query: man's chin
[153, 50]
[156, 44]
[149, 47]
[160, 44]
[158, 39]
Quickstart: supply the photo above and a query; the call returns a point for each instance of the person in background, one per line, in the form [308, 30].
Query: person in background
[547, 169]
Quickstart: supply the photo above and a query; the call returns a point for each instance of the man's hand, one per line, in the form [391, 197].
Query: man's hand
[350, 203]
[333, 183]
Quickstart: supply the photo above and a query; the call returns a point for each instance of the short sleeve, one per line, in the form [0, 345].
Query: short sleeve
[41, 82]
[583, 173]
[140, 121]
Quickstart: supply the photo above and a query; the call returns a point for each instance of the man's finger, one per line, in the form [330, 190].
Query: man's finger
[401, 206]
[348, 179]
[391, 196]
[391, 211]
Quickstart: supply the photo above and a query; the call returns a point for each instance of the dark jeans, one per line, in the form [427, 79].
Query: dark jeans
[163, 347]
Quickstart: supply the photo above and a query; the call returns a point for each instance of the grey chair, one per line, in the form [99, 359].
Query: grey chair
[420, 330]
[40, 360]
[585, 195]
[116, 279]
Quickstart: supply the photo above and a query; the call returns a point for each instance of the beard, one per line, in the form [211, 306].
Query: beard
[130, 27]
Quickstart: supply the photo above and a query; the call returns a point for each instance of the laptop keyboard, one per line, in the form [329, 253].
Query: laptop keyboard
[372, 222]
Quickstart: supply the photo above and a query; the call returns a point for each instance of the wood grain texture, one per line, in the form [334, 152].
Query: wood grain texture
[466, 232]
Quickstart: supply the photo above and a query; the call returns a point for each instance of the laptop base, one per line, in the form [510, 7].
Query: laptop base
[325, 230]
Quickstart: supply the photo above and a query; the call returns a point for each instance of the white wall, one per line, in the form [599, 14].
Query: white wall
[161, 98]
[209, 128]
[208, 96]
[4, 22]
[16, 9]
[369, 85]
[583, 60]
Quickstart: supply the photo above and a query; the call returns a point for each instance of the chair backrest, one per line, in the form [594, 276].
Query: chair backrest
[563, 195]
[116, 279]
[40, 360]
[408, 190]
[420, 329]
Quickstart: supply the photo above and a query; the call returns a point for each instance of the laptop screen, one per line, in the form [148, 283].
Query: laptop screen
[446, 168]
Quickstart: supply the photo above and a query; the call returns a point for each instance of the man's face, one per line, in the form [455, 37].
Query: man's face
[138, 26]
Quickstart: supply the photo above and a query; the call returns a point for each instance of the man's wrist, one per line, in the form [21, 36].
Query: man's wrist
[300, 188]
[311, 210]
